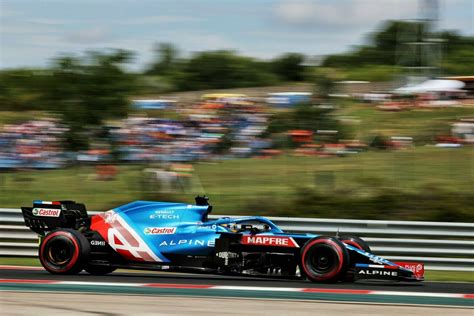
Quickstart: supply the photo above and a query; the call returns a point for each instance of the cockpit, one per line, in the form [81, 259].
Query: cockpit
[251, 226]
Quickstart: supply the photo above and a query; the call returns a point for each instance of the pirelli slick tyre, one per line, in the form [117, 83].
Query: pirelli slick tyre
[64, 251]
[99, 270]
[356, 242]
[324, 259]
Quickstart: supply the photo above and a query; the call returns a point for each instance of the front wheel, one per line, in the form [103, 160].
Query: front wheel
[64, 251]
[324, 259]
[355, 242]
[358, 243]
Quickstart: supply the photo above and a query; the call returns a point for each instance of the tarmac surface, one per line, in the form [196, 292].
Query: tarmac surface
[33, 291]
[137, 276]
[52, 304]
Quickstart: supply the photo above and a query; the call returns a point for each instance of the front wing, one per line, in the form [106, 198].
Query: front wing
[402, 271]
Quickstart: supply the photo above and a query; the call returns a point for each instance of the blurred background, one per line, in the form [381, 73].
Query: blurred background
[348, 109]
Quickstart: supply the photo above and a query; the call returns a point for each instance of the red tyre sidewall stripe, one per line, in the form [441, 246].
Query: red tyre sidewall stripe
[75, 256]
[339, 253]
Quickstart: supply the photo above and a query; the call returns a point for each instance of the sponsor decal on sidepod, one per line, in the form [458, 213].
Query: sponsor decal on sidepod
[269, 241]
[46, 212]
[159, 230]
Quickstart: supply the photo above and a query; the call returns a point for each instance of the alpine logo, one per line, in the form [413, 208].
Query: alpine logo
[275, 241]
[188, 242]
[46, 212]
[377, 272]
[159, 230]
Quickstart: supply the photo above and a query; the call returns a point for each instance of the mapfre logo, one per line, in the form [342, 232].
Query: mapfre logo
[269, 241]
[159, 230]
[46, 212]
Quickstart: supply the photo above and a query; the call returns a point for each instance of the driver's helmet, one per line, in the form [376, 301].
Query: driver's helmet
[232, 227]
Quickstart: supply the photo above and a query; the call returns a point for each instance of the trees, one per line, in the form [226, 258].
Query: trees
[459, 53]
[220, 70]
[21, 88]
[388, 47]
[86, 91]
[166, 60]
[289, 67]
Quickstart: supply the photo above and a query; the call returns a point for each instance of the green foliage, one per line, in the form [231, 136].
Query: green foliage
[20, 89]
[166, 60]
[87, 91]
[382, 46]
[428, 203]
[289, 67]
[221, 70]
[425, 183]
[372, 73]
[325, 84]
[460, 62]
[374, 61]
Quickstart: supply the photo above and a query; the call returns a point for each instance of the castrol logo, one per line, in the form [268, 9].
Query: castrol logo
[159, 230]
[46, 212]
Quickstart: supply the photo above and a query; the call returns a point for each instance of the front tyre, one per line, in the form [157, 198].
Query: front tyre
[358, 243]
[355, 242]
[324, 259]
[64, 251]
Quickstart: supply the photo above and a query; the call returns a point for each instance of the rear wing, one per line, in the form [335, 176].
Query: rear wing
[46, 216]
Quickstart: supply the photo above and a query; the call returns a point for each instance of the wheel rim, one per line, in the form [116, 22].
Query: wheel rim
[322, 260]
[59, 252]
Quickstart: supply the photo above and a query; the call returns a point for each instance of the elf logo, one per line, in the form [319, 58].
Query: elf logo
[46, 212]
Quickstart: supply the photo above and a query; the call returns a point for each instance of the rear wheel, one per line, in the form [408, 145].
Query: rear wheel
[64, 251]
[324, 259]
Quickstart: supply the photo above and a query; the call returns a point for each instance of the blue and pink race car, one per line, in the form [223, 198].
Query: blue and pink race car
[180, 237]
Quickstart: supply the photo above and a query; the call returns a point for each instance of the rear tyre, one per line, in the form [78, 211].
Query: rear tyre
[64, 251]
[99, 270]
[324, 259]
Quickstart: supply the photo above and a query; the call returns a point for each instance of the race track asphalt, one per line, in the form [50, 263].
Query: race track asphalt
[43, 303]
[137, 276]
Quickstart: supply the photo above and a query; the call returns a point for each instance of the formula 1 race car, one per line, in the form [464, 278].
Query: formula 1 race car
[180, 237]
